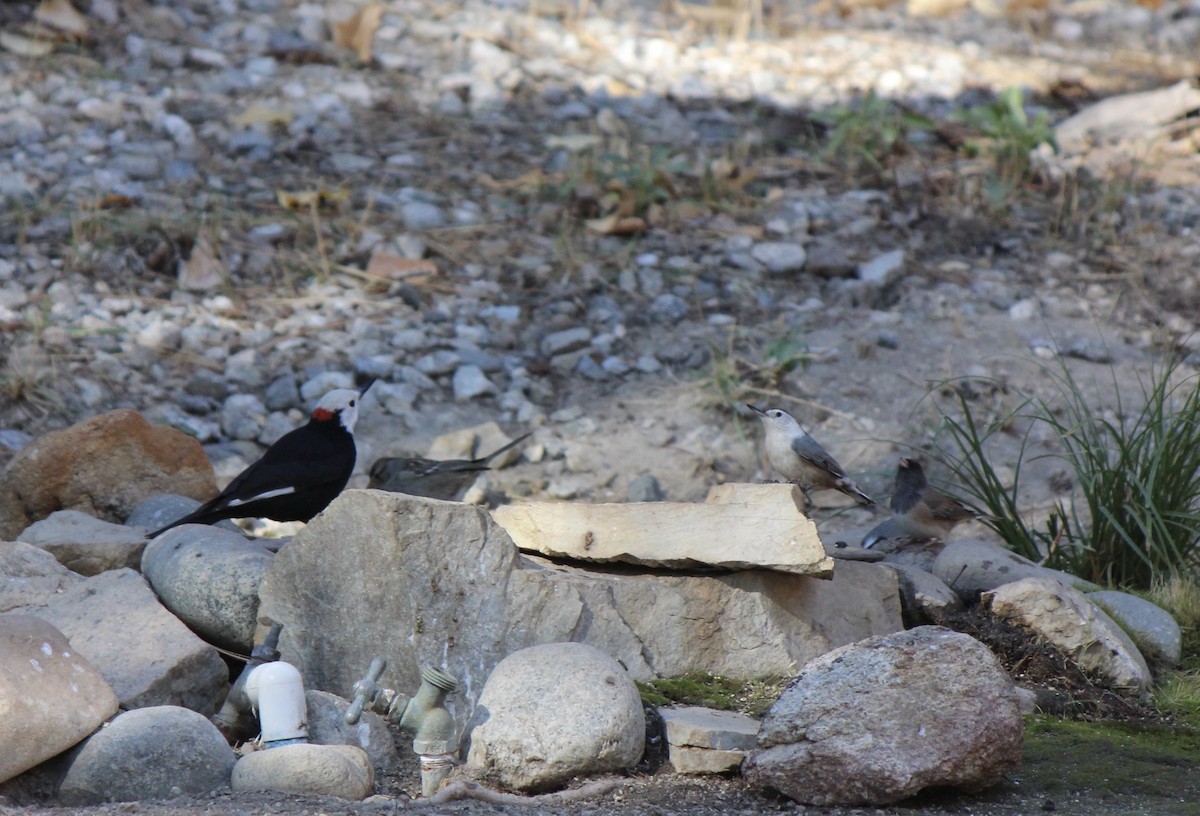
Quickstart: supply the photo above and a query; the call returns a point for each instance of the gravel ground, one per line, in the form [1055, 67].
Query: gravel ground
[452, 230]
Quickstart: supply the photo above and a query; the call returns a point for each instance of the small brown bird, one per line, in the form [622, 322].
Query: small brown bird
[446, 479]
[918, 510]
[798, 458]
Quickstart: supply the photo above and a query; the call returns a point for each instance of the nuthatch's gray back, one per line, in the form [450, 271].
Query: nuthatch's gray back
[798, 458]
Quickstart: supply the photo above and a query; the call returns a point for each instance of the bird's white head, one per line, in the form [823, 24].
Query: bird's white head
[778, 420]
[340, 405]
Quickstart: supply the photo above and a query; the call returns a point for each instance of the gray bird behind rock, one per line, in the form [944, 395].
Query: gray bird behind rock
[800, 459]
[446, 479]
[919, 512]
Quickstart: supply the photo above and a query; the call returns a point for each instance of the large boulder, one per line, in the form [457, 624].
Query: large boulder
[553, 712]
[375, 564]
[50, 696]
[878, 721]
[1065, 618]
[147, 655]
[149, 753]
[103, 467]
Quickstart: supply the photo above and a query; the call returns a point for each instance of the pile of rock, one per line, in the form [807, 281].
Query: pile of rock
[546, 638]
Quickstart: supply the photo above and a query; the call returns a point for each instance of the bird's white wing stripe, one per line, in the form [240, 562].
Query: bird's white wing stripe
[270, 494]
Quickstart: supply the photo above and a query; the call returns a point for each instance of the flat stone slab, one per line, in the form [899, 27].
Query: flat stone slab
[701, 727]
[689, 760]
[739, 526]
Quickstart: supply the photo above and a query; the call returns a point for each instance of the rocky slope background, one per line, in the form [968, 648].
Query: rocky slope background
[610, 225]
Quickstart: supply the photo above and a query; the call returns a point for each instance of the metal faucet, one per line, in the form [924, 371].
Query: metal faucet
[424, 714]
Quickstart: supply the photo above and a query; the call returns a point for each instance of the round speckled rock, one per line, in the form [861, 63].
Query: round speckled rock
[209, 578]
[332, 770]
[554, 712]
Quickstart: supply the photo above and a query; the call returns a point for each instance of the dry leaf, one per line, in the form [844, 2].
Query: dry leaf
[204, 270]
[358, 31]
[616, 224]
[305, 199]
[24, 46]
[396, 267]
[532, 179]
[61, 16]
[263, 115]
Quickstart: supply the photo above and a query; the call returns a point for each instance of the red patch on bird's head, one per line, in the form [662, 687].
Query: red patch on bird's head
[322, 414]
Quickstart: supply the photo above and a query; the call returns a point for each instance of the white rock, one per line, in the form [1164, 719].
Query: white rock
[555, 712]
[343, 771]
[1068, 620]
[470, 382]
[739, 526]
[780, 257]
[50, 695]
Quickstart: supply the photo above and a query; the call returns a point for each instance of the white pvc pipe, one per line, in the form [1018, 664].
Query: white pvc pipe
[276, 691]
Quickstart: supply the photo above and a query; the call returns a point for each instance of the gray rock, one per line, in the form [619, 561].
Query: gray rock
[882, 269]
[144, 652]
[349, 574]
[84, 543]
[283, 393]
[970, 567]
[553, 712]
[30, 576]
[470, 382]
[243, 416]
[669, 308]
[149, 753]
[210, 579]
[645, 488]
[1152, 628]
[318, 386]
[50, 695]
[421, 215]
[343, 771]
[1066, 618]
[925, 598]
[565, 341]
[159, 511]
[327, 726]
[881, 720]
[704, 740]
[780, 257]
[439, 362]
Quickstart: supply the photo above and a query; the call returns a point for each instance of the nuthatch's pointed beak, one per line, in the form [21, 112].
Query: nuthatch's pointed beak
[363, 388]
[755, 409]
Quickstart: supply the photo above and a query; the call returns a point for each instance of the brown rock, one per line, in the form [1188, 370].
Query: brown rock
[102, 466]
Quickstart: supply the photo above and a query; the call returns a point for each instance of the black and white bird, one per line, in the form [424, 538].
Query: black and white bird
[446, 479]
[919, 512]
[798, 458]
[299, 475]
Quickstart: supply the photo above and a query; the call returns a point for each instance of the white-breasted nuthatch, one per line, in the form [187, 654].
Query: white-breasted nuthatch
[798, 458]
